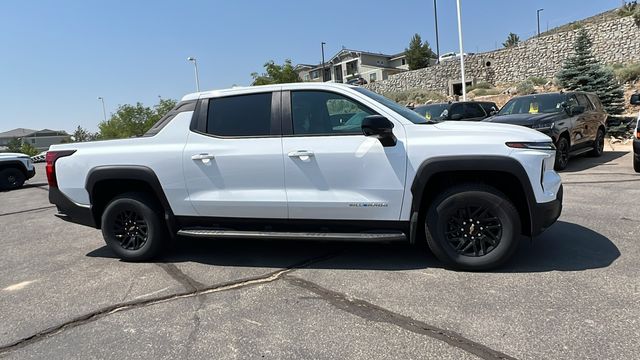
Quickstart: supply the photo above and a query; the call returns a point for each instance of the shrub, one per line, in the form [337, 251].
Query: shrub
[29, 149]
[537, 81]
[525, 88]
[627, 73]
[480, 85]
[417, 96]
[483, 92]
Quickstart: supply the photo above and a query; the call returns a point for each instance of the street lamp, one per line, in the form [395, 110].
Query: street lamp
[104, 111]
[195, 64]
[538, 16]
[435, 14]
[323, 71]
[464, 85]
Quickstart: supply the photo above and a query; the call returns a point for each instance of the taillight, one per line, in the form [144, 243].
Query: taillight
[51, 158]
[638, 134]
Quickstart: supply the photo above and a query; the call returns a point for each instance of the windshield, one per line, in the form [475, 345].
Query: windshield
[433, 112]
[408, 114]
[534, 104]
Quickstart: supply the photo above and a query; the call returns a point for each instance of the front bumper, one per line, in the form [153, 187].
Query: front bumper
[31, 173]
[544, 215]
[70, 211]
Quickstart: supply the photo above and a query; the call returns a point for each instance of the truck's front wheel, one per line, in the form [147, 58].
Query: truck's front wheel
[132, 227]
[472, 227]
[11, 178]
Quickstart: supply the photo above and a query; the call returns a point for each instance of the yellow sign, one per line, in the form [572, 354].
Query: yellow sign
[533, 108]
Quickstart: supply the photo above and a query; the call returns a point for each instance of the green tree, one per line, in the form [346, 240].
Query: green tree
[29, 149]
[133, 120]
[14, 145]
[82, 135]
[512, 40]
[584, 72]
[418, 53]
[276, 74]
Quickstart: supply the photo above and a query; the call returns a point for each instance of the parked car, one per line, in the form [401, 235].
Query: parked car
[575, 121]
[635, 100]
[15, 169]
[447, 56]
[274, 162]
[489, 107]
[357, 81]
[463, 110]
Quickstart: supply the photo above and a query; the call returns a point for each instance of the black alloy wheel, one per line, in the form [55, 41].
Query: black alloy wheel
[473, 231]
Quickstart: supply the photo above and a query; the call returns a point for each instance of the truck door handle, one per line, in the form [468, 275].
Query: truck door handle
[301, 153]
[203, 156]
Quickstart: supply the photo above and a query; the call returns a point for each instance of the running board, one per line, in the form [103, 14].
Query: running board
[580, 151]
[205, 233]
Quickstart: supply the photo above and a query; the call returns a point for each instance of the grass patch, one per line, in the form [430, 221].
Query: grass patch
[484, 92]
[627, 73]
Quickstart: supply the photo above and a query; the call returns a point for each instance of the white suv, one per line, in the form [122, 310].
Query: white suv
[15, 169]
[312, 161]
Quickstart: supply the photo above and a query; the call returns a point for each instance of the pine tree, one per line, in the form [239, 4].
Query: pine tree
[418, 53]
[583, 72]
[512, 40]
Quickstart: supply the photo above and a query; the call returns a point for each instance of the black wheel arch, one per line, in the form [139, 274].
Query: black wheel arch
[105, 182]
[15, 164]
[498, 171]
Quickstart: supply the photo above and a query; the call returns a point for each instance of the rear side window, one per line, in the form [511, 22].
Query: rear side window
[583, 101]
[595, 101]
[243, 115]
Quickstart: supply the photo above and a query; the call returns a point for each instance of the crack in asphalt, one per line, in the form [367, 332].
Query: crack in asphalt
[189, 283]
[369, 311]
[28, 210]
[136, 304]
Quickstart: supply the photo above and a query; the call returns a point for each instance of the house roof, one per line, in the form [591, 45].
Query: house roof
[19, 132]
[22, 132]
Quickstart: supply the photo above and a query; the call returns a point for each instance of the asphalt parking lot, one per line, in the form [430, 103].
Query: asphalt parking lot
[574, 292]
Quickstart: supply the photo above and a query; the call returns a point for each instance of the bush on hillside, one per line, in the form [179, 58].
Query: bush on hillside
[627, 73]
[416, 96]
[480, 85]
[525, 88]
[538, 81]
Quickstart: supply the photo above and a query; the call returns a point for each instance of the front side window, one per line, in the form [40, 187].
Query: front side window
[325, 113]
[583, 101]
[473, 111]
[243, 115]
[456, 109]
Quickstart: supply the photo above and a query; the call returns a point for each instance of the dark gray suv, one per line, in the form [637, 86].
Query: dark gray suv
[574, 120]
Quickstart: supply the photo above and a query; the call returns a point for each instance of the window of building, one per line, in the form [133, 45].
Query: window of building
[326, 113]
[404, 61]
[243, 115]
[373, 77]
[33, 141]
[315, 74]
[306, 77]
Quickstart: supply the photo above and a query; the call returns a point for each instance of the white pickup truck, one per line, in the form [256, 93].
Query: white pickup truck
[15, 169]
[312, 161]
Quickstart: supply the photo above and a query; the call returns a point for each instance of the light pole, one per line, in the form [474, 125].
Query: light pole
[104, 111]
[195, 64]
[464, 85]
[323, 71]
[435, 13]
[538, 16]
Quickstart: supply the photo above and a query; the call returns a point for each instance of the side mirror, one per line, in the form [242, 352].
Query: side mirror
[455, 117]
[635, 99]
[379, 127]
[493, 112]
[576, 110]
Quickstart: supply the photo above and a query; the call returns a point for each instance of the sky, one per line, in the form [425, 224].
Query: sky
[57, 57]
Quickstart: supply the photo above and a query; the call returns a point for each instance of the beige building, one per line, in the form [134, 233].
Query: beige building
[40, 139]
[351, 65]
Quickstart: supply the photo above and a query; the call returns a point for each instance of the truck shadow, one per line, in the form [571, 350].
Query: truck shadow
[563, 247]
[584, 162]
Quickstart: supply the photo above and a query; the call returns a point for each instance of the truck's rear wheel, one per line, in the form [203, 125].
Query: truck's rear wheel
[472, 227]
[11, 178]
[133, 228]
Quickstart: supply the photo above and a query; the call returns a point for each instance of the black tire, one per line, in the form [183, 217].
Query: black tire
[562, 153]
[133, 227]
[477, 249]
[11, 178]
[636, 162]
[598, 146]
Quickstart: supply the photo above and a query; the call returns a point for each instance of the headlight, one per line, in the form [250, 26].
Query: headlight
[545, 145]
[543, 126]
